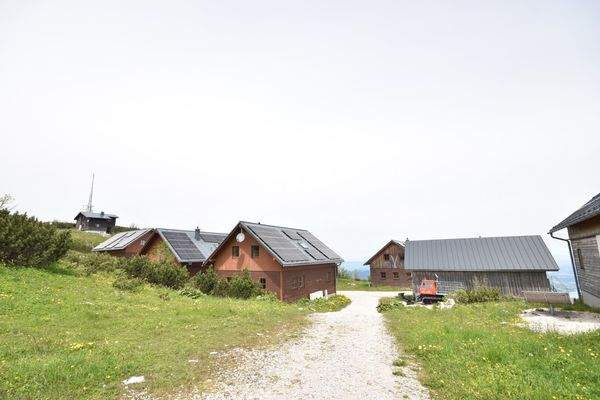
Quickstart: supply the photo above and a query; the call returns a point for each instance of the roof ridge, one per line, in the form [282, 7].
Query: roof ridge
[473, 238]
[273, 226]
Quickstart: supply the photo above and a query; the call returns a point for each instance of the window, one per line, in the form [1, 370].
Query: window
[262, 282]
[301, 281]
[580, 259]
[142, 242]
[386, 257]
[228, 279]
[254, 251]
[383, 275]
[235, 251]
[396, 275]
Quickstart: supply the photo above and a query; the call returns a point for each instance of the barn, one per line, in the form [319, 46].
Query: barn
[583, 227]
[95, 222]
[125, 244]
[290, 262]
[511, 263]
[387, 266]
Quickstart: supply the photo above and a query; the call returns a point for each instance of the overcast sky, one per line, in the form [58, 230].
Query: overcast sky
[361, 121]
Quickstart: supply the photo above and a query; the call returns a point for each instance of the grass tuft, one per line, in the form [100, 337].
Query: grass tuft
[329, 304]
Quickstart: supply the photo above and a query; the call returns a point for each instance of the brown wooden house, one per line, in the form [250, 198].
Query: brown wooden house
[387, 266]
[125, 244]
[583, 228]
[512, 264]
[95, 222]
[292, 263]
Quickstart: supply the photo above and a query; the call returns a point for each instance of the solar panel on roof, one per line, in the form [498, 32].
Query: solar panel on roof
[277, 242]
[109, 241]
[183, 246]
[315, 254]
[291, 234]
[212, 237]
[316, 243]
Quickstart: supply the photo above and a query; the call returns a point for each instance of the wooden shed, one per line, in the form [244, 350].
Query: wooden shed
[583, 228]
[387, 266]
[511, 263]
[95, 222]
[290, 262]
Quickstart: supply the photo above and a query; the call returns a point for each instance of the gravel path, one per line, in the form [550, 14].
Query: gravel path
[344, 355]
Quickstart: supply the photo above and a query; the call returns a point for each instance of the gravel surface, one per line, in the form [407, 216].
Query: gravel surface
[343, 355]
[563, 322]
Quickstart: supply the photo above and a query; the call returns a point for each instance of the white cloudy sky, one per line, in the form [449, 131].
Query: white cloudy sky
[359, 120]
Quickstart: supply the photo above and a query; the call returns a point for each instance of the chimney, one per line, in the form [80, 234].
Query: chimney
[102, 213]
[197, 234]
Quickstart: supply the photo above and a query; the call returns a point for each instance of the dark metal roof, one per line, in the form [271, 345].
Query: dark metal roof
[587, 211]
[393, 241]
[510, 253]
[96, 215]
[186, 248]
[121, 240]
[289, 246]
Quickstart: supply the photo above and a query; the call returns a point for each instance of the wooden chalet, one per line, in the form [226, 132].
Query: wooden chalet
[387, 266]
[292, 263]
[95, 222]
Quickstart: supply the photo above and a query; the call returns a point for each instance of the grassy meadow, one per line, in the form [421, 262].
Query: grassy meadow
[478, 352]
[353, 284]
[64, 336]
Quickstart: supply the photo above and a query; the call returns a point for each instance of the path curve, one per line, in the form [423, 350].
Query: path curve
[345, 355]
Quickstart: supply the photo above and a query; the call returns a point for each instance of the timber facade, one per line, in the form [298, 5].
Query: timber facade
[387, 266]
[583, 227]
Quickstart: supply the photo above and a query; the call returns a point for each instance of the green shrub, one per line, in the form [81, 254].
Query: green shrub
[221, 288]
[123, 282]
[25, 241]
[206, 281]
[91, 263]
[158, 273]
[389, 303]
[479, 294]
[267, 296]
[243, 287]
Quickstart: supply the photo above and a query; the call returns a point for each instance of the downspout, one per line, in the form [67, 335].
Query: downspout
[572, 264]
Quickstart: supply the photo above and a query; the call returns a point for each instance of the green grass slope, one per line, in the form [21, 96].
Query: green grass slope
[64, 336]
[478, 352]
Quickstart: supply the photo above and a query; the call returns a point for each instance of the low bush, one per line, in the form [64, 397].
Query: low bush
[389, 303]
[325, 304]
[91, 263]
[158, 273]
[240, 286]
[83, 241]
[479, 294]
[243, 287]
[27, 242]
[206, 281]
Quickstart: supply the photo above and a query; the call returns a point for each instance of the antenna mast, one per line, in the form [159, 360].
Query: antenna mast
[90, 207]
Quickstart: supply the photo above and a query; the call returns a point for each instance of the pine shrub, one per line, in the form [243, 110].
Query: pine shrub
[27, 242]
